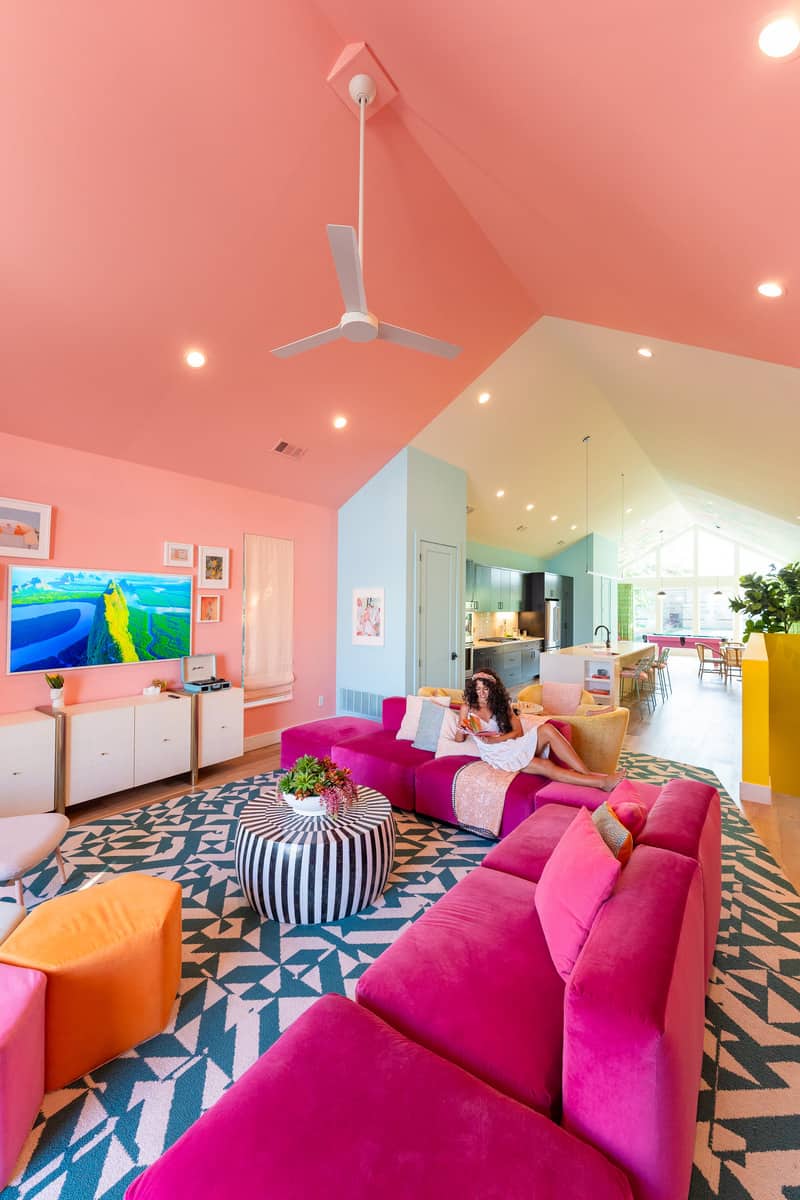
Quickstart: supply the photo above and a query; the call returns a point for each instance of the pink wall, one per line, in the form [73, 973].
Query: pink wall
[117, 515]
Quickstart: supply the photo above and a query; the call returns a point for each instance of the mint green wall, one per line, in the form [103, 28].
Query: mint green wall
[497, 556]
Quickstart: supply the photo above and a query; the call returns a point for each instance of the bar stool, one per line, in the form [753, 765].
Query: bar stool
[661, 668]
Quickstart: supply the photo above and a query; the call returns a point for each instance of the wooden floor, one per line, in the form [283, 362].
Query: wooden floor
[699, 724]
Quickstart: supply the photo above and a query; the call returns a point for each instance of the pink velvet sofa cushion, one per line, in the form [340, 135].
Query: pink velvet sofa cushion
[344, 1107]
[380, 761]
[22, 994]
[319, 737]
[634, 1022]
[528, 847]
[473, 980]
[433, 792]
[577, 879]
[592, 798]
[688, 819]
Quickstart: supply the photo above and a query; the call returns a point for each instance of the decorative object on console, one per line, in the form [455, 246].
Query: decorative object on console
[24, 529]
[208, 608]
[178, 554]
[56, 685]
[214, 566]
[64, 617]
[315, 786]
[368, 617]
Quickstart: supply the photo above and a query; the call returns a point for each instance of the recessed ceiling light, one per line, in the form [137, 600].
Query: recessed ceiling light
[195, 358]
[529, 507]
[645, 352]
[771, 289]
[628, 510]
[339, 422]
[500, 493]
[779, 38]
[484, 397]
[573, 526]
[554, 517]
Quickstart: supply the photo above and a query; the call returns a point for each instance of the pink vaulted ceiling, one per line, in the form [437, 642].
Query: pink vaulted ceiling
[169, 169]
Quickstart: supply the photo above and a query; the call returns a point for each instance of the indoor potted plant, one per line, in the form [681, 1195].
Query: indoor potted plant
[56, 685]
[315, 786]
[771, 602]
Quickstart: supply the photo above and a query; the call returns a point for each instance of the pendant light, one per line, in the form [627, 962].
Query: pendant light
[621, 556]
[586, 441]
[660, 591]
[718, 592]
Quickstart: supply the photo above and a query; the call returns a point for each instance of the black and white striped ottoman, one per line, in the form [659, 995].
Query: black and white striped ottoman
[302, 870]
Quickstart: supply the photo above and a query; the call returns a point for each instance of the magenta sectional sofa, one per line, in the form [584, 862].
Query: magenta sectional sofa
[412, 779]
[469, 1066]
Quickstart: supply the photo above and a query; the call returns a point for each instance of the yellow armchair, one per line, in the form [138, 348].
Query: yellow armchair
[598, 737]
[532, 694]
[454, 693]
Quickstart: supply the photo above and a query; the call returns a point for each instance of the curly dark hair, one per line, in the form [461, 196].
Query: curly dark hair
[498, 700]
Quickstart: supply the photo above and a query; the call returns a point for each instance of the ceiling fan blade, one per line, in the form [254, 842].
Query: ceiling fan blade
[308, 343]
[346, 259]
[417, 341]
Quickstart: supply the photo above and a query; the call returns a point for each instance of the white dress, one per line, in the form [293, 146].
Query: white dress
[511, 755]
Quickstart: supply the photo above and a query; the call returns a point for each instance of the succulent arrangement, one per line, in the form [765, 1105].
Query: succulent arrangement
[321, 777]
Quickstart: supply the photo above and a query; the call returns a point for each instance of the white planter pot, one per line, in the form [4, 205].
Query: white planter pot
[57, 697]
[307, 806]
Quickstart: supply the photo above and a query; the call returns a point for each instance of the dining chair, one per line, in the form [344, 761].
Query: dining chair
[733, 662]
[709, 660]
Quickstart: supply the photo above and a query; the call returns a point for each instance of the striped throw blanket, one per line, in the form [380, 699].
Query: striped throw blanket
[479, 795]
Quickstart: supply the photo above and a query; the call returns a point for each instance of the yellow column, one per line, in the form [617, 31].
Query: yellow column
[756, 713]
[783, 651]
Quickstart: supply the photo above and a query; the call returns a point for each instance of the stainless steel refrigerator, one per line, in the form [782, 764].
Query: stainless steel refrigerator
[552, 625]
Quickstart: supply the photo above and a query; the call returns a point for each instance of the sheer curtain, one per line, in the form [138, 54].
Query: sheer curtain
[268, 616]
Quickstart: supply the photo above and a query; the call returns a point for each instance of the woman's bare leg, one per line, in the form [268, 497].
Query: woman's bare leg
[547, 768]
[548, 735]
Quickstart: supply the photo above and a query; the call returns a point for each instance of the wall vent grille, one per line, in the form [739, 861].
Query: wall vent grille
[364, 704]
[288, 450]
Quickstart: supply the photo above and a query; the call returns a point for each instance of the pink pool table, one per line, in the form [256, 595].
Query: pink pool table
[682, 640]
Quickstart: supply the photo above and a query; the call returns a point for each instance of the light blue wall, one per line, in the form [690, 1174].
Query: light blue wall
[414, 497]
[437, 512]
[594, 598]
[496, 556]
[372, 552]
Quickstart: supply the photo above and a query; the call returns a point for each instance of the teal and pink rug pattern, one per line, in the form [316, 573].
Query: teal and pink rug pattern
[245, 980]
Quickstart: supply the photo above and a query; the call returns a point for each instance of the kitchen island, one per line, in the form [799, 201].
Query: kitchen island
[593, 665]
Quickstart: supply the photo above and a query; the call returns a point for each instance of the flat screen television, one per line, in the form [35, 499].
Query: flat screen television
[61, 618]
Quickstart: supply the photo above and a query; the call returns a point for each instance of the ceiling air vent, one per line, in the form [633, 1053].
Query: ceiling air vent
[288, 450]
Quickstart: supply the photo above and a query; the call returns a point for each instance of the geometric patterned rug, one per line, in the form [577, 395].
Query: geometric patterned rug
[245, 980]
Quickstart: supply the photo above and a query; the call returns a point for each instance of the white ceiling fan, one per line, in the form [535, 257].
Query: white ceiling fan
[357, 323]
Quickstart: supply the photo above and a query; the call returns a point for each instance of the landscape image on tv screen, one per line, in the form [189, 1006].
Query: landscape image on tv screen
[61, 618]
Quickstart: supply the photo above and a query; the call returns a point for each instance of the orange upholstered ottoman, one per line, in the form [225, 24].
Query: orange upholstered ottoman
[112, 957]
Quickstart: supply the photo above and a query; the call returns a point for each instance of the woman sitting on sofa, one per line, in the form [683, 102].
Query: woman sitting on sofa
[488, 717]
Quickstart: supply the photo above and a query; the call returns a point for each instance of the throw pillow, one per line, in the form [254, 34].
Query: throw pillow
[447, 745]
[408, 726]
[613, 832]
[577, 879]
[561, 698]
[627, 808]
[429, 727]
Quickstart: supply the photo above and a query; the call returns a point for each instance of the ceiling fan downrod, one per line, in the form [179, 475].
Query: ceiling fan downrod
[362, 92]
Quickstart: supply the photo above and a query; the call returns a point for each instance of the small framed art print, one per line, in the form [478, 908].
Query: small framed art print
[213, 567]
[178, 554]
[208, 608]
[24, 529]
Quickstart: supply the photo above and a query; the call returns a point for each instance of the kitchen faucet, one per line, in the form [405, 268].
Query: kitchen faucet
[608, 635]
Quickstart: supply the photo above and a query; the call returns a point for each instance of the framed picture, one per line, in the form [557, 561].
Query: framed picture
[368, 617]
[24, 529]
[214, 562]
[178, 554]
[208, 608]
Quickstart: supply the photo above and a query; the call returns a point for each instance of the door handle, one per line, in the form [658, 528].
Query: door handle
[453, 656]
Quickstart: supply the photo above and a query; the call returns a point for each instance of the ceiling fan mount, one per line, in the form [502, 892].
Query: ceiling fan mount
[357, 323]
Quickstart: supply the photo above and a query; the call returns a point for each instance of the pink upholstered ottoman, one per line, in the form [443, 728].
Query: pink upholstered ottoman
[319, 737]
[344, 1107]
[21, 1060]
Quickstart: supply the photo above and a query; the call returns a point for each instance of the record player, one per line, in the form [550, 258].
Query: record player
[198, 674]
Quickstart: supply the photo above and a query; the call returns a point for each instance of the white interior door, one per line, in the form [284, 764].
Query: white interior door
[438, 626]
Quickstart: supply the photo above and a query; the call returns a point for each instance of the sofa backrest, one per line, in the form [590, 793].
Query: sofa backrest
[634, 1023]
[687, 819]
[394, 709]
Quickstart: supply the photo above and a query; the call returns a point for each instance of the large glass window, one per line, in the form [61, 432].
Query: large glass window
[677, 556]
[755, 562]
[642, 568]
[715, 556]
[714, 614]
[677, 610]
[644, 611]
